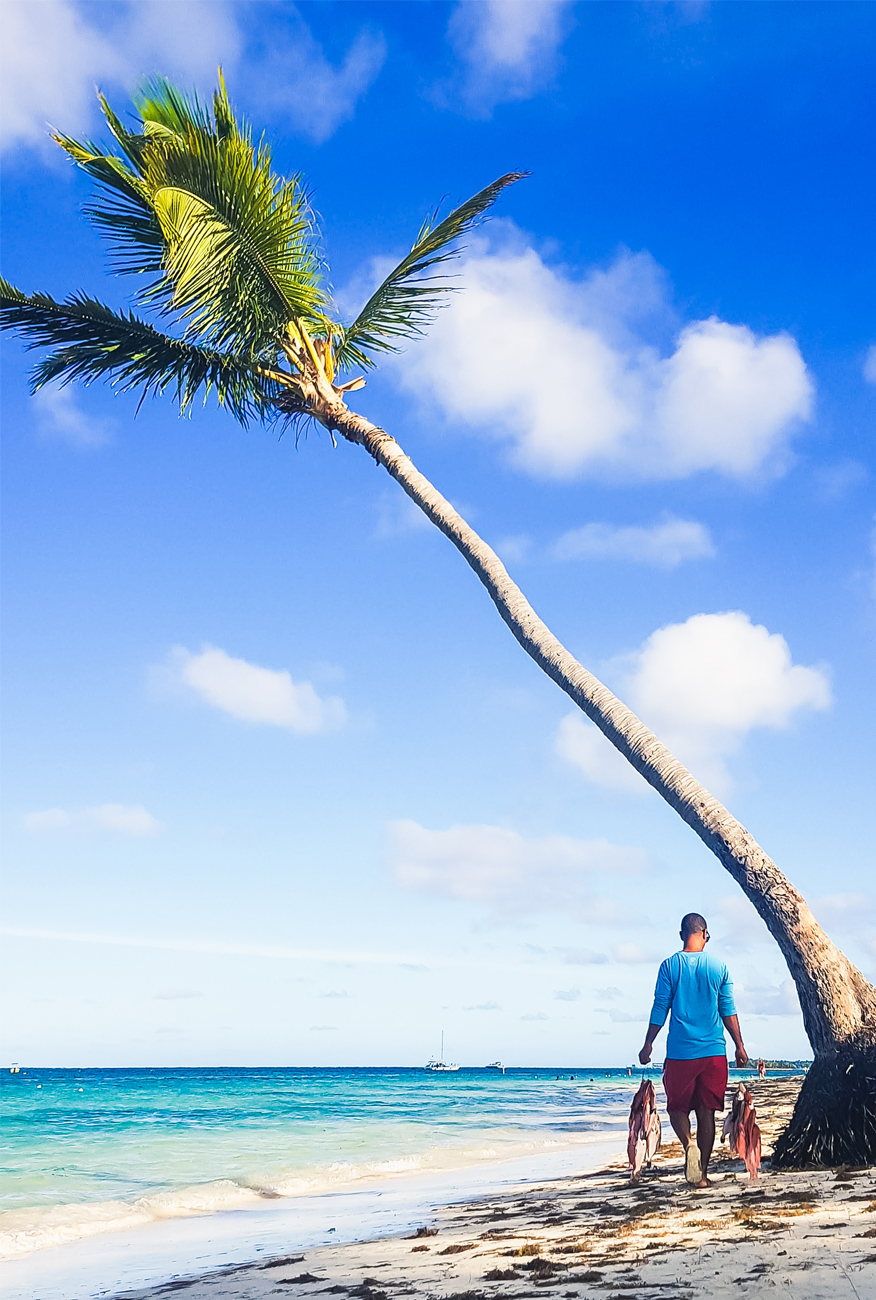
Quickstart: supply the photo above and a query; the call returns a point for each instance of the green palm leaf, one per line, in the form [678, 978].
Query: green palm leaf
[93, 342]
[240, 252]
[407, 300]
[229, 245]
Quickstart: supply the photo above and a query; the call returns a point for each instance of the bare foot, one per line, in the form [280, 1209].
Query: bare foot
[693, 1170]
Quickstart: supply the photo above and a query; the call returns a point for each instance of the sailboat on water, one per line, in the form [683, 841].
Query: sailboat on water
[441, 1066]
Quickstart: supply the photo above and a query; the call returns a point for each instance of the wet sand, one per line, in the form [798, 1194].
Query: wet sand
[809, 1235]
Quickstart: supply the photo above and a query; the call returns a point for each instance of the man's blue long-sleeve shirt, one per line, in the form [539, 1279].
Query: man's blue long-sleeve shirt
[699, 990]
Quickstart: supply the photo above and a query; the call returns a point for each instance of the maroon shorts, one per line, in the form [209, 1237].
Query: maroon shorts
[700, 1082]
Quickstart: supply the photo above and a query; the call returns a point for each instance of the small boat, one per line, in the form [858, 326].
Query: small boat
[441, 1066]
[495, 1065]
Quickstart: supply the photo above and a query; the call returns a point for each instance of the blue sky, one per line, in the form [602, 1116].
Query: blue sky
[280, 788]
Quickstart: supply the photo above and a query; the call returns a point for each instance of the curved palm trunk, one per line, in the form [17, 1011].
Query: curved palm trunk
[838, 1004]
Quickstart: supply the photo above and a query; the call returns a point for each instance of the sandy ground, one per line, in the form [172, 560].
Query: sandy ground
[806, 1235]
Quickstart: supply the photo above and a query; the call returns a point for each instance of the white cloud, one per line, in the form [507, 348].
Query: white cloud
[737, 924]
[559, 368]
[627, 1017]
[870, 365]
[56, 51]
[513, 550]
[53, 56]
[398, 514]
[484, 1006]
[508, 48]
[768, 1000]
[632, 954]
[567, 995]
[702, 686]
[583, 745]
[298, 79]
[50, 819]
[664, 545]
[583, 957]
[126, 819]
[253, 693]
[177, 995]
[59, 416]
[610, 994]
[535, 1015]
[49, 64]
[493, 865]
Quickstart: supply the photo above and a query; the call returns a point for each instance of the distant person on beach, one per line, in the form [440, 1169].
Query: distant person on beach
[761, 1069]
[698, 991]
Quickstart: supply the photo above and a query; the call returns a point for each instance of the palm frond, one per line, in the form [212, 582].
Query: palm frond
[407, 299]
[124, 212]
[240, 252]
[161, 105]
[93, 342]
[229, 246]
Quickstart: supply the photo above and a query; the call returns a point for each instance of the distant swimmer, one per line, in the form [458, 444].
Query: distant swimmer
[698, 991]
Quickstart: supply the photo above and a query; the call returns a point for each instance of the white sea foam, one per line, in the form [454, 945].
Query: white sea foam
[26, 1230]
[170, 1249]
[22, 1231]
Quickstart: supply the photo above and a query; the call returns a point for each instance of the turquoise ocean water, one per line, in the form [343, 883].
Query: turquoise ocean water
[95, 1159]
[85, 1147]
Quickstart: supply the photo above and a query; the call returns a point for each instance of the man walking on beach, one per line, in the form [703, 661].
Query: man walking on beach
[698, 990]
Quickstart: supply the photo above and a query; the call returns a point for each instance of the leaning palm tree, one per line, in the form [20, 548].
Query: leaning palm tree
[226, 254]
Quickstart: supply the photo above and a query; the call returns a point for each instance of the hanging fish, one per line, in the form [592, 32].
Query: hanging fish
[741, 1131]
[645, 1132]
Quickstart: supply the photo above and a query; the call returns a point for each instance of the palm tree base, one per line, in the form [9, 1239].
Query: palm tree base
[834, 1121]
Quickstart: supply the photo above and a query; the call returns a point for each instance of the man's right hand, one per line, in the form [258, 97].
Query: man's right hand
[645, 1054]
[741, 1058]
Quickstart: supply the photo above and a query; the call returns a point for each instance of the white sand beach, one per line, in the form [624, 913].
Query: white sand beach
[811, 1235]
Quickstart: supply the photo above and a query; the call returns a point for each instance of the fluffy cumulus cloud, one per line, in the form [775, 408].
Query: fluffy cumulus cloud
[54, 52]
[702, 686]
[665, 544]
[252, 693]
[499, 867]
[125, 819]
[507, 49]
[566, 372]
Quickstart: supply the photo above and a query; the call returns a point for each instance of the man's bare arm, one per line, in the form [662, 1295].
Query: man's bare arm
[731, 1024]
[653, 1031]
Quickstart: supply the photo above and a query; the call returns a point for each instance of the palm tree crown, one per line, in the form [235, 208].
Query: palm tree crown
[227, 252]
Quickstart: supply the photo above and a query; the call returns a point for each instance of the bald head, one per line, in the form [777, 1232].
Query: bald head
[692, 924]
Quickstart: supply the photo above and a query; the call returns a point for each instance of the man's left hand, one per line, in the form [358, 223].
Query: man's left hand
[741, 1058]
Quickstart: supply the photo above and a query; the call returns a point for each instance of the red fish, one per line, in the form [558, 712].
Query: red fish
[741, 1130]
[645, 1134]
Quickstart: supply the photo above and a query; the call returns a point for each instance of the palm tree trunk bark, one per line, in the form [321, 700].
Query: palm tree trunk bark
[838, 1003]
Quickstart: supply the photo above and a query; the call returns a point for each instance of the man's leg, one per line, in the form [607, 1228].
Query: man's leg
[705, 1138]
[693, 1172]
[708, 1097]
[680, 1122]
